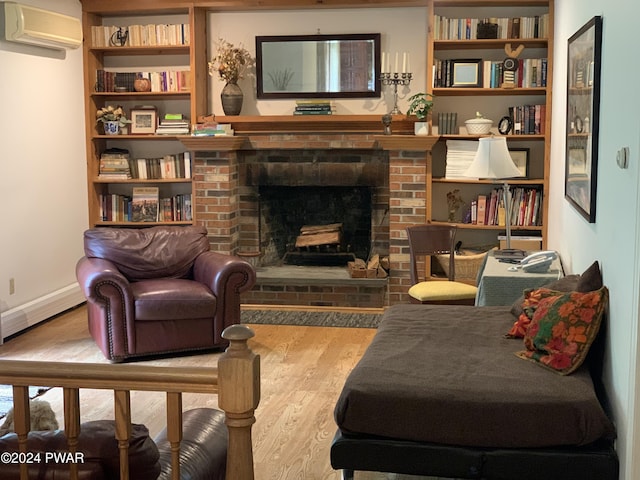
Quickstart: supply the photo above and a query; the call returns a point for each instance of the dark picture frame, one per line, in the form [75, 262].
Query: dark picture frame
[466, 73]
[520, 157]
[143, 121]
[583, 111]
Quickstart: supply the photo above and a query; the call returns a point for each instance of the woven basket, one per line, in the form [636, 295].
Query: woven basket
[468, 263]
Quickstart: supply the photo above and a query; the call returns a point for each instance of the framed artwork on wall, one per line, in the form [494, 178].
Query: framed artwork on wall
[583, 111]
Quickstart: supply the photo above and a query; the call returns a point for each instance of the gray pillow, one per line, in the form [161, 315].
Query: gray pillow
[590, 280]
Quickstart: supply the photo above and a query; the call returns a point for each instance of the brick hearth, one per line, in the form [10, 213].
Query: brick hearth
[226, 169]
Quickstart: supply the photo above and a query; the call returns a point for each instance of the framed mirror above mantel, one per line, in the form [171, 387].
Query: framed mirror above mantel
[318, 66]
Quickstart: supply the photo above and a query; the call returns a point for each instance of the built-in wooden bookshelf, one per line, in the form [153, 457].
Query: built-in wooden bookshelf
[494, 102]
[173, 34]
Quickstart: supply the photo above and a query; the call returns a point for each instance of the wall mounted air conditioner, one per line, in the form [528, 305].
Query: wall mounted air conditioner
[26, 24]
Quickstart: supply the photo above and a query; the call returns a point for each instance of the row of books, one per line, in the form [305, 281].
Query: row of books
[314, 107]
[145, 205]
[531, 72]
[447, 123]
[166, 167]
[116, 164]
[536, 26]
[176, 80]
[140, 35]
[528, 119]
[526, 204]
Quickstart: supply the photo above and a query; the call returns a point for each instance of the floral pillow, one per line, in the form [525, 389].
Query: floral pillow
[562, 329]
[532, 297]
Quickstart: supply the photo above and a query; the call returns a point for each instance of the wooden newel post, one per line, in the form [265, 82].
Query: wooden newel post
[239, 381]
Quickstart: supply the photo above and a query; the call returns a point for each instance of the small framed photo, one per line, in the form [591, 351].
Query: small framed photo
[466, 73]
[143, 121]
[520, 157]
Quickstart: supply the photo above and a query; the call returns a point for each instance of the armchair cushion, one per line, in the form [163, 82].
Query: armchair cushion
[144, 253]
[172, 299]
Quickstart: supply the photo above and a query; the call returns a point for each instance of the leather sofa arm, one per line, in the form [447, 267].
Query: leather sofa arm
[93, 273]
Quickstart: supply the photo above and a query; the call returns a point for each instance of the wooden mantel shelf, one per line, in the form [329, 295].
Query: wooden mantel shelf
[411, 143]
[259, 124]
[216, 143]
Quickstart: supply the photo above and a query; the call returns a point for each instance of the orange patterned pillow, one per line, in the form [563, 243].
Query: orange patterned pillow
[532, 297]
[562, 329]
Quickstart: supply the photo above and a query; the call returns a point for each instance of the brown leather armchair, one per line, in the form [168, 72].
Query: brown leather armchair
[159, 290]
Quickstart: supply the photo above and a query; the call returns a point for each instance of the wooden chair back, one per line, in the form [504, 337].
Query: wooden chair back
[426, 240]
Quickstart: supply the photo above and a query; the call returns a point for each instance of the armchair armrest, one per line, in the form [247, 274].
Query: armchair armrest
[92, 273]
[227, 276]
[110, 302]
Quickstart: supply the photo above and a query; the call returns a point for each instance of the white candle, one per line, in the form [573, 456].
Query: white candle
[382, 66]
[396, 66]
[404, 62]
[389, 62]
[408, 66]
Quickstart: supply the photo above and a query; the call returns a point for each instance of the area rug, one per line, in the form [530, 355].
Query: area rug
[6, 397]
[311, 318]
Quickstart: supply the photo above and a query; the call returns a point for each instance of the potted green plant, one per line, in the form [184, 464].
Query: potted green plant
[420, 105]
[112, 118]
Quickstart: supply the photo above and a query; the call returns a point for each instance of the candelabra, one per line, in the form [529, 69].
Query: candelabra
[395, 79]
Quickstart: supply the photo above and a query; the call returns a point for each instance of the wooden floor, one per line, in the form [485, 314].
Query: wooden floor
[302, 372]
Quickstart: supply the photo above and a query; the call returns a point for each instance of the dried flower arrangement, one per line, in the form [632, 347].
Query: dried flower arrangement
[230, 62]
[112, 114]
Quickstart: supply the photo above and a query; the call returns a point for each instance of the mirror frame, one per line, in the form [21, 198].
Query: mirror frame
[260, 40]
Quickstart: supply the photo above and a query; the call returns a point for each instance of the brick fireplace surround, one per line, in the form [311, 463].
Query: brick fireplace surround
[225, 170]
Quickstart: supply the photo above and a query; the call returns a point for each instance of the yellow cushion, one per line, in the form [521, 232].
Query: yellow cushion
[442, 290]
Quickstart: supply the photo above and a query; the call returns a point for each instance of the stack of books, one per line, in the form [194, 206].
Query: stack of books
[314, 107]
[114, 163]
[173, 124]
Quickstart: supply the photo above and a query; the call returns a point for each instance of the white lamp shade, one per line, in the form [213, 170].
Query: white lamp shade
[492, 160]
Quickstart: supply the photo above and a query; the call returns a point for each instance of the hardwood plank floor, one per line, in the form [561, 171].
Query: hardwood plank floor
[302, 372]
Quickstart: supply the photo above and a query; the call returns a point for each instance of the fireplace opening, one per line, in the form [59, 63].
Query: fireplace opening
[285, 210]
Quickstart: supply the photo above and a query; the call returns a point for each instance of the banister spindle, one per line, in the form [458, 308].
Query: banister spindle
[122, 404]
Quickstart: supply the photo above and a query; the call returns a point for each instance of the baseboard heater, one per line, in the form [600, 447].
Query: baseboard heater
[24, 316]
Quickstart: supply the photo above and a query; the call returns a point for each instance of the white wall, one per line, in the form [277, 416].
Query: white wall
[614, 239]
[399, 28]
[42, 174]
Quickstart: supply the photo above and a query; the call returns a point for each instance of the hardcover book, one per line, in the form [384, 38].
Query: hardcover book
[144, 206]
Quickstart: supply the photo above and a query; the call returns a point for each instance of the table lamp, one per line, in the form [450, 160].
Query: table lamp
[492, 161]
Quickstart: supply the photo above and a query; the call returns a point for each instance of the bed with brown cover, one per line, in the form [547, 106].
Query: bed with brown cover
[441, 391]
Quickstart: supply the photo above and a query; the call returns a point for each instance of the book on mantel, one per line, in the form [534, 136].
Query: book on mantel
[314, 107]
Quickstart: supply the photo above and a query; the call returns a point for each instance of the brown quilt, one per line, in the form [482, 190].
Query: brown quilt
[447, 375]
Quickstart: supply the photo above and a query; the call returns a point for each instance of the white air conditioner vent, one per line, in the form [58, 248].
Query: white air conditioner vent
[26, 24]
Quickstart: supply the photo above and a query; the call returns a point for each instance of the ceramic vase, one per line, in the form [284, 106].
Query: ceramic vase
[111, 128]
[231, 97]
